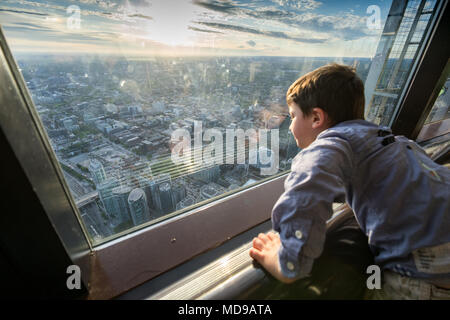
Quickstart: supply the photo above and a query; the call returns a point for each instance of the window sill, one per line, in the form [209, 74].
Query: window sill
[227, 272]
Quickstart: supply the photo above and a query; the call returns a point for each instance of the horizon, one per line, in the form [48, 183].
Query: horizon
[149, 57]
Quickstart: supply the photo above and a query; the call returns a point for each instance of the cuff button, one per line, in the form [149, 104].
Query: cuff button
[290, 266]
[298, 234]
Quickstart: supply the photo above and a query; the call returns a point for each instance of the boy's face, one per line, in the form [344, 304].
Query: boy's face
[302, 127]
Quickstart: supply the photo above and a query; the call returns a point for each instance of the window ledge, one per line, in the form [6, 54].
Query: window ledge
[229, 276]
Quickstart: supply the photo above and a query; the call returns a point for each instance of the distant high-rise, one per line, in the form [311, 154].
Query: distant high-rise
[120, 202]
[179, 193]
[207, 174]
[145, 184]
[137, 202]
[97, 171]
[186, 202]
[167, 198]
[161, 199]
[105, 192]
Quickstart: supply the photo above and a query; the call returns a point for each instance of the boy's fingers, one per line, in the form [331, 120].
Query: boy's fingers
[272, 236]
[258, 244]
[263, 237]
[256, 254]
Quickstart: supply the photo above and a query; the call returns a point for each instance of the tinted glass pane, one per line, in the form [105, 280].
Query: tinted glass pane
[437, 123]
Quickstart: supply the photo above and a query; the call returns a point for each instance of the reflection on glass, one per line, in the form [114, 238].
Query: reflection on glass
[113, 80]
[397, 51]
[438, 121]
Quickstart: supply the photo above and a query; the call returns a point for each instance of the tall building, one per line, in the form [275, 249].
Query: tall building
[207, 173]
[105, 192]
[186, 202]
[168, 204]
[137, 202]
[179, 192]
[120, 202]
[162, 195]
[97, 171]
[145, 184]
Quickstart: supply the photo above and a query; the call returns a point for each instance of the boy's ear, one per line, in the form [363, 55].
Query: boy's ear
[319, 118]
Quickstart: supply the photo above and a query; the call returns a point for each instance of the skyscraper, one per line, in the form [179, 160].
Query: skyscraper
[106, 196]
[120, 202]
[167, 199]
[137, 202]
[207, 173]
[162, 198]
[97, 171]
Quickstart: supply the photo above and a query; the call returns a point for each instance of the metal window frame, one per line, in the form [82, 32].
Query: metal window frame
[119, 265]
[32, 152]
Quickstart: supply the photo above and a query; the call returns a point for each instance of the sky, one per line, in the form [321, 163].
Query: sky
[333, 28]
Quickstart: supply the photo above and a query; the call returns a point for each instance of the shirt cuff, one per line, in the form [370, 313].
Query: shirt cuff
[294, 267]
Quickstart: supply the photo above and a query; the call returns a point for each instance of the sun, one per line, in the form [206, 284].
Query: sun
[170, 23]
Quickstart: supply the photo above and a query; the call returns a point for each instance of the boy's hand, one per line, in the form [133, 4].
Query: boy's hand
[265, 251]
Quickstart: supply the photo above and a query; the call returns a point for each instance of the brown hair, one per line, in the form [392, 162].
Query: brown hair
[334, 88]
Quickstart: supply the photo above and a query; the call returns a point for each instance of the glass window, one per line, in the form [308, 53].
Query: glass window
[397, 52]
[437, 124]
[153, 108]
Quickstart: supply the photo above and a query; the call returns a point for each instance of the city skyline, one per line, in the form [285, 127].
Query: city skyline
[194, 28]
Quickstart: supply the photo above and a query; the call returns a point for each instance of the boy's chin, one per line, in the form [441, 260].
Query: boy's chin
[300, 144]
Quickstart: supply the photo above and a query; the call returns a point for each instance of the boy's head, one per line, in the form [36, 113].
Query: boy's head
[322, 98]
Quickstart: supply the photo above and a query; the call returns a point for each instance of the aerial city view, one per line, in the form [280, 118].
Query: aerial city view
[112, 81]
[110, 123]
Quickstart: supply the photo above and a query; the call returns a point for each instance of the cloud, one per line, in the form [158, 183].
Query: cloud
[222, 6]
[294, 14]
[138, 15]
[271, 14]
[251, 43]
[203, 30]
[36, 4]
[27, 26]
[347, 26]
[23, 12]
[47, 34]
[273, 34]
[128, 21]
[101, 3]
[299, 4]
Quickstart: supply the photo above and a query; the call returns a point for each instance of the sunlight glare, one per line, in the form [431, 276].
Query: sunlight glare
[170, 22]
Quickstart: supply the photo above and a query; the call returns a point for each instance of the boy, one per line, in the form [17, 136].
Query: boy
[399, 196]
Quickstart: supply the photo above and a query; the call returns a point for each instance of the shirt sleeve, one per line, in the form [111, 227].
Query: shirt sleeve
[318, 177]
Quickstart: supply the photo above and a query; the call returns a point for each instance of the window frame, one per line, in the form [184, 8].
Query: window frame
[121, 264]
[26, 137]
[426, 78]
